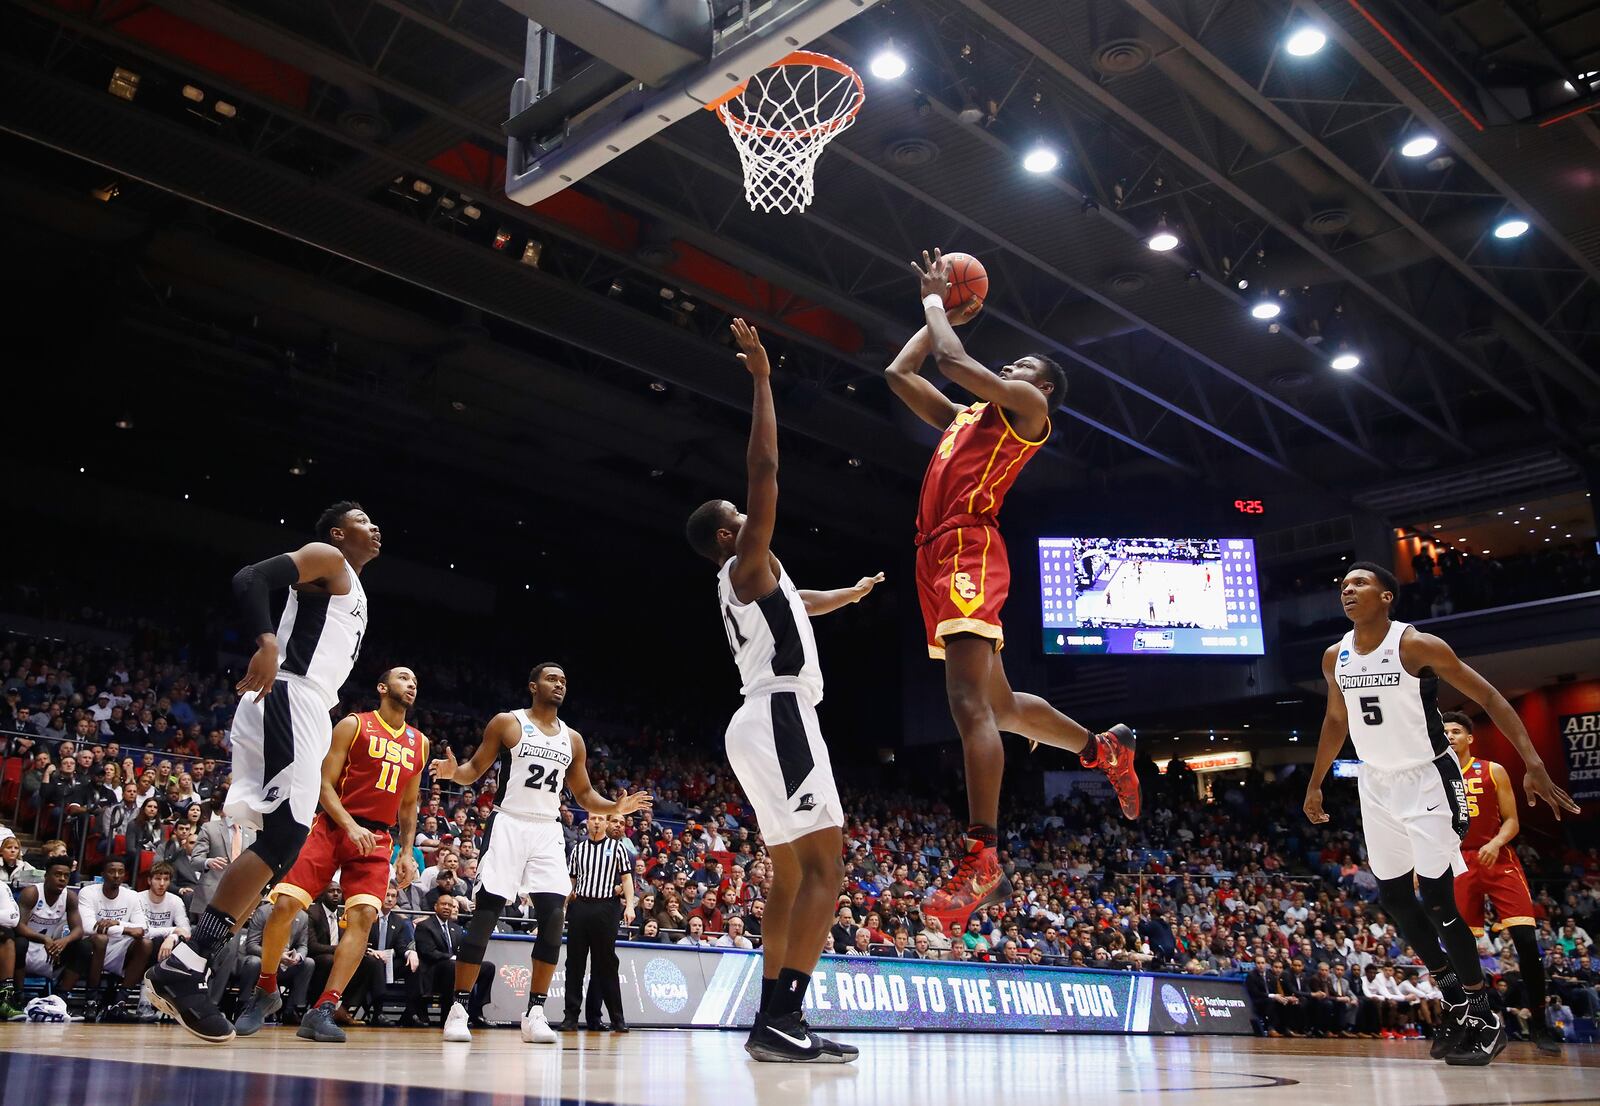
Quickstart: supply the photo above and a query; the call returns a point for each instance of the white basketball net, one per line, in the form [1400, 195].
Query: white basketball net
[781, 123]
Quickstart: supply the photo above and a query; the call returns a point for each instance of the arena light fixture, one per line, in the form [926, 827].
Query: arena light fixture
[1040, 159]
[888, 64]
[1305, 41]
[1419, 145]
[1163, 239]
[1267, 308]
[1345, 360]
[1513, 227]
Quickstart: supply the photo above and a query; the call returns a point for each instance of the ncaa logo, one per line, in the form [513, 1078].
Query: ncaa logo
[1176, 1008]
[1344, 656]
[666, 985]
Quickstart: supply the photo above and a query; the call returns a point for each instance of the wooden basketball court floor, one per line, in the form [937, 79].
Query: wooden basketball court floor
[58, 1065]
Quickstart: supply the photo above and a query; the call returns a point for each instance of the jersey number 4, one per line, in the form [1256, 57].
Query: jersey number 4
[549, 780]
[1371, 710]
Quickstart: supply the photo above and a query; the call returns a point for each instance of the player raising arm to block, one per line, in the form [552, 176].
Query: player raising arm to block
[775, 740]
[523, 848]
[963, 575]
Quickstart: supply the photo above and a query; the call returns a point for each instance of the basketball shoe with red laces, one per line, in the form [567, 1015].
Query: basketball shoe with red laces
[1113, 755]
[977, 881]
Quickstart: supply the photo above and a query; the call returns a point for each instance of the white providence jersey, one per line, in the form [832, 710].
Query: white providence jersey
[49, 918]
[94, 906]
[1394, 716]
[321, 637]
[534, 770]
[164, 917]
[771, 639]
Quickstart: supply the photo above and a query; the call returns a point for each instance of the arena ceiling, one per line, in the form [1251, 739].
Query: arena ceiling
[338, 230]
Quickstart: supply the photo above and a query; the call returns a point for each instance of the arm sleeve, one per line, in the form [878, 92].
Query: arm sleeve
[253, 586]
[86, 914]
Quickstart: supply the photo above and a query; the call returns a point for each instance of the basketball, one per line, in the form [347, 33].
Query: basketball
[968, 280]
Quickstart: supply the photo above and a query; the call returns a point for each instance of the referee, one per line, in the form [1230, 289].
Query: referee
[599, 866]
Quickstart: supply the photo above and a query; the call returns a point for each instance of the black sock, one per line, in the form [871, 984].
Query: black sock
[766, 994]
[788, 993]
[1478, 1002]
[536, 998]
[986, 835]
[464, 998]
[211, 932]
[1454, 993]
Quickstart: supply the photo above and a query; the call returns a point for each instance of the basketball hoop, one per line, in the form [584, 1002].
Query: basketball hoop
[782, 119]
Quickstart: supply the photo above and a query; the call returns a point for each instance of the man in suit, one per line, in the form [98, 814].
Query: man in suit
[294, 970]
[322, 939]
[438, 941]
[1316, 995]
[901, 949]
[1346, 1003]
[392, 947]
[221, 841]
[1256, 986]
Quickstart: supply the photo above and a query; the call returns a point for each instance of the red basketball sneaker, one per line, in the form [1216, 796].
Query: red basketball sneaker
[1114, 757]
[976, 882]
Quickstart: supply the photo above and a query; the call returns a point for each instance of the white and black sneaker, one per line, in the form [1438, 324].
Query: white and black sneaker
[832, 1051]
[181, 994]
[784, 1040]
[1448, 1034]
[1482, 1038]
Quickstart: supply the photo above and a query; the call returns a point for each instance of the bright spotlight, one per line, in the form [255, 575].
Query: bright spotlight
[1267, 309]
[1040, 159]
[1511, 228]
[1346, 361]
[888, 64]
[1420, 146]
[1305, 42]
[1162, 239]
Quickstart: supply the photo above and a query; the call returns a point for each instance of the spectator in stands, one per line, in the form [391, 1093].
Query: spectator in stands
[294, 970]
[650, 933]
[733, 937]
[696, 937]
[844, 930]
[145, 833]
[439, 938]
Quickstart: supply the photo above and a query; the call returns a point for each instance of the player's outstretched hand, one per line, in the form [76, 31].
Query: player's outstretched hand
[444, 768]
[866, 584]
[933, 275]
[751, 351]
[263, 669]
[1313, 806]
[1537, 785]
[639, 800]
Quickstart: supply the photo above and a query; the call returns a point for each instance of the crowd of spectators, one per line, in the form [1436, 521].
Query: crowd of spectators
[1242, 885]
[1454, 581]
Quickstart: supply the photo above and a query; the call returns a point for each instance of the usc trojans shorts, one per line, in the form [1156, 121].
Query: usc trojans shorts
[363, 879]
[963, 578]
[1502, 883]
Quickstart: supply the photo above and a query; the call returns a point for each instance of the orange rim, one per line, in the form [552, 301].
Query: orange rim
[798, 57]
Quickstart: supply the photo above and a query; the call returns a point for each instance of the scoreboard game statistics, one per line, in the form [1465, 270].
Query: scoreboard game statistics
[1174, 596]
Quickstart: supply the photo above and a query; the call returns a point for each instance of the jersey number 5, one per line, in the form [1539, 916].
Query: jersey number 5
[538, 777]
[1371, 710]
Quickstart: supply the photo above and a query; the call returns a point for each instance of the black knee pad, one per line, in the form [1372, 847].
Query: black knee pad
[278, 843]
[550, 912]
[485, 912]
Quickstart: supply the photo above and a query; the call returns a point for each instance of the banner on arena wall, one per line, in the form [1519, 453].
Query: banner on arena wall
[1059, 785]
[1580, 737]
[678, 987]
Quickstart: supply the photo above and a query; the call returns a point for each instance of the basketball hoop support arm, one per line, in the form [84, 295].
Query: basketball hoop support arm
[773, 31]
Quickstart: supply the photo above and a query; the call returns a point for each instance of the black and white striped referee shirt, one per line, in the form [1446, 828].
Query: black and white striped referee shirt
[597, 868]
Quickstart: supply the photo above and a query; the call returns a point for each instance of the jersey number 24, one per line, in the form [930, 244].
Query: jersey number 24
[539, 776]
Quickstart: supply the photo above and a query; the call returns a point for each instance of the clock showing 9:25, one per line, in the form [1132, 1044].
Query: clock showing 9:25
[1249, 507]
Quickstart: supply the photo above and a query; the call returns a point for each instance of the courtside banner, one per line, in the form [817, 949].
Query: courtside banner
[676, 986]
[1580, 738]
